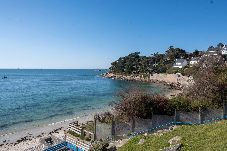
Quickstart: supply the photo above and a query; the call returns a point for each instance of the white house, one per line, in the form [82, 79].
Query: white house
[180, 63]
[194, 60]
[224, 50]
[212, 51]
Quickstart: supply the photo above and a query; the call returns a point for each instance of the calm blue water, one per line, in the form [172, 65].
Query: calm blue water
[32, 97]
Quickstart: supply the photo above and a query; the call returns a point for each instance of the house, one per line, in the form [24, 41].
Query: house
[81, 129]
[194, 60]
[224, 50]
[180, 63]
[211, 51]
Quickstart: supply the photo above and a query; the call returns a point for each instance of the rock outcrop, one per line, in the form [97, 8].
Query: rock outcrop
[175, 81]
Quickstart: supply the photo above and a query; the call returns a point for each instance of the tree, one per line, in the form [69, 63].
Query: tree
[206, 88]
[118, 66]
[126, 65]
[144, 65]
[220, 45]
[211, 47]
[175, 53]
[196, 53]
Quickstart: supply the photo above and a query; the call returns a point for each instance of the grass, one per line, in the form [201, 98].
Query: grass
[209, 137]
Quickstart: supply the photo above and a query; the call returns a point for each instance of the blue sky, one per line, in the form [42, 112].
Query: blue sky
[93, 33]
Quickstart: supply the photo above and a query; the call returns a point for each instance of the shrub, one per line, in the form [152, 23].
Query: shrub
[140, 104]
[100, 146]
[173, 70]
[184, 103]
[181, 103]
[73, 133]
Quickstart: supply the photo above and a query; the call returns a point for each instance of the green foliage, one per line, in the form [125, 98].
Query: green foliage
[190, 71]
[129, 64]
[76, 135]
[173, 70]
[175, 53]
[100, 146]
[197, 138]
[183, 103]
[220, 45]
[156, 63]
[73, 133]
[141, 104]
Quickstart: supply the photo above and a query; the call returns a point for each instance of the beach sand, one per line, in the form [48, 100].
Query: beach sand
[29, 139]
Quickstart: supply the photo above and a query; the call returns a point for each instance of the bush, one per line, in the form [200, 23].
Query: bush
[181, 103]
[140, 104]
[100, 146]
[73, 133]
[184, 103]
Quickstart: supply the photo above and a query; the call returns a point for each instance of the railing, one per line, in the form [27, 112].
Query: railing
[119, 129]
[85, 145]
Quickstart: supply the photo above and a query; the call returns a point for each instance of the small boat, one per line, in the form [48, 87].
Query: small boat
[5, 77]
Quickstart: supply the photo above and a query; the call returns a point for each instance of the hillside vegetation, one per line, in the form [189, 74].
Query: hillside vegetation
[210, 137]
[136, 64]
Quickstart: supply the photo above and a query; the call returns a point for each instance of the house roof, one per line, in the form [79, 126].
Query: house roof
[180, 60]
[212, 50]
[195, 59]
[224, 48]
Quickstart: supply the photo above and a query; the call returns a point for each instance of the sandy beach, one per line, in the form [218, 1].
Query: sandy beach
[29, 140]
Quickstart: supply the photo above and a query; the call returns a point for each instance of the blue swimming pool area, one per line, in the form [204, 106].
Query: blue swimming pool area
[65, 146]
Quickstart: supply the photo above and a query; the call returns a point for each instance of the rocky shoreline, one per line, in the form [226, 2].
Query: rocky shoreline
[173, 81]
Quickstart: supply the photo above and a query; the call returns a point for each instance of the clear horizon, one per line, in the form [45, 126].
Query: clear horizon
[52, 34]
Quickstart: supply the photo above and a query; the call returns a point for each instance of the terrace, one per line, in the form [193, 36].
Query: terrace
[77, 138]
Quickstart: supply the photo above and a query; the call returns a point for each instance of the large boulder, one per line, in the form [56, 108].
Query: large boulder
[142, 141]
[175, 140]
[176, 147]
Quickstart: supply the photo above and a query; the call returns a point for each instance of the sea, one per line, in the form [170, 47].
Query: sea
[32, 97]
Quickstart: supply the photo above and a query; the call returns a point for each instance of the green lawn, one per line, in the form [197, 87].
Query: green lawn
[210, 137]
